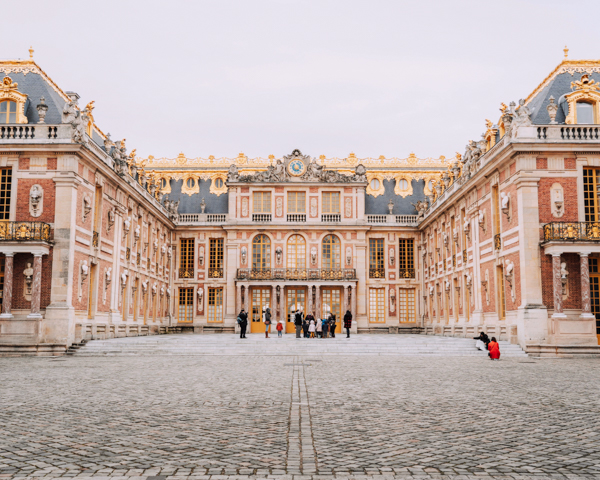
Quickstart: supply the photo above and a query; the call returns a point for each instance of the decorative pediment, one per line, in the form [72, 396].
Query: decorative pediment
[9, 92]
[585, 90]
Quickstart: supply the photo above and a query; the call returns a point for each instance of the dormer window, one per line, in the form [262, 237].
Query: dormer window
[585, 113]
[8, 112]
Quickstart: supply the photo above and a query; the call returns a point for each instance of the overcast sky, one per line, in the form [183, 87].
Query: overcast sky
[328, 77]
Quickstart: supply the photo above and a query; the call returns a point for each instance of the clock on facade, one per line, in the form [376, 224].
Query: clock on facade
[296, 168]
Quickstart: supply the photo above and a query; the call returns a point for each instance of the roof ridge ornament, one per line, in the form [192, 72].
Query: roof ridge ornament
[566, 52]
[31, 53]
[585, 83]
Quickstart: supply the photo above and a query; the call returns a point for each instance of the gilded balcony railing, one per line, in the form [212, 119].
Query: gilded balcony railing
[183, 272]
[215, 273]
[406, 273]
[572, 231]
[497, 242]
[24, 231]
[376, 272]
[296, 274]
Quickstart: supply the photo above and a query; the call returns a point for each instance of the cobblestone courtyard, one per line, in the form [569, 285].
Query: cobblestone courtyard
[351, 417]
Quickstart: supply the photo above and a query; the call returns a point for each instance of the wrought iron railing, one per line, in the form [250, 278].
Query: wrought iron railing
[183, 272]
[296, 274]
[24, 231]
[95, 239]
[376, 272]
[465, 257]
[497, 242]
[215, 272]
[572, 231]
[127, 253]
[406, 273]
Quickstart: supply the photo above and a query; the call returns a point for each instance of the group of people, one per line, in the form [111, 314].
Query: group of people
[307, 326]
[491, 346]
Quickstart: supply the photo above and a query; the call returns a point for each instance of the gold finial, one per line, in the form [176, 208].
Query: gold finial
[566, 50]
[31, 53]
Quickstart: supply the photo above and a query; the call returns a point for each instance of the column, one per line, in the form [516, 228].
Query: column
[353, 302]
[8, 284]
[238, 302]
[557, 283]
[318, 313]
[36, 286]
[273, 305]
[586, 306]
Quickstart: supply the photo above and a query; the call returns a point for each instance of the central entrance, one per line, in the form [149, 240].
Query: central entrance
[261, 298]
[331, 302]
[595, 292]
[295, 300]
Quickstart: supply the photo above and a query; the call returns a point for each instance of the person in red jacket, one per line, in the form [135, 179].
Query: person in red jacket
[494, 349]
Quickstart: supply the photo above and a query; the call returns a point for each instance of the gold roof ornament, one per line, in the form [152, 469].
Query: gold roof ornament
[566, 51]
[503, 108]
[31, 53]
[8, 84]
[585, 83]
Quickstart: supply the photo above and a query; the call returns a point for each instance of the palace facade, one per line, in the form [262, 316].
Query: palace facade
[96, 242]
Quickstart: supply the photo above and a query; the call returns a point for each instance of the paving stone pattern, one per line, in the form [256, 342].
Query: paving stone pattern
[346, 417]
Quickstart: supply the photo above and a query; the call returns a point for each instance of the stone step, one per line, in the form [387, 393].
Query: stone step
[288, 345]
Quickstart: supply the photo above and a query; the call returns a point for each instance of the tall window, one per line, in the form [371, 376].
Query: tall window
[8, 112]
[496, 205]
[186, 258]
[5, 186]
[331, 254]
[215, 265]
[406, 305]
[406, 258]
[377, 305]
[590, 193]
[2, 258]
[296, 252]
[261, 252]
[215, 305]
[376, 258]
[585, 112]
[331, 202]
[186, 305]
[261, 202]
[296, 202]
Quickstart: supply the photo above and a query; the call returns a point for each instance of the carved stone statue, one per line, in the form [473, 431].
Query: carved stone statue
[552, 109]
[87, 206]
[360, 173]
[504, 200]
[162, 291]
[508, 270]
[202, 205]
[42, 109]
[481, 218]
[349, 256]
[233, 173]
[563, 270]
[108, 277]
[154, 289]
[469, 280]
[28, 272]
[126, 225]
[169, 252]
[136, 234]
[392, 255]
[278, 253]
[244, 254]
[313, 255]
[145, 287]
[391, 207]
[124, 276]
[421, 207]
[279, 172]
[111, 219]
[200, 297]
[70, 111]
[35, 197]
[522, 118]
[84, 270]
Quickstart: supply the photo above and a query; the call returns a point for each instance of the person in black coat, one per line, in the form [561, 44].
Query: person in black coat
[298, 322]
[243, 323]
[332, 325]
[305, 326]
[483, 338]
[348, 322]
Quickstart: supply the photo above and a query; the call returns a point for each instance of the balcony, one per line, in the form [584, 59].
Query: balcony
[215, 273]
[376, 272]
[261, 217]
[296, 217]
[406, 273]
[24, 231]
[331, 218]
[95, 239]
[183, 272]
[191, 218]
[306, 274]
[497, 242]
[402, 220]
[572, 232]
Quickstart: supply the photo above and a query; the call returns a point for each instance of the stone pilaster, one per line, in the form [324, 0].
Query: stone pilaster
[8, 286]
[586, 305]
[557, 284]
[36, 286]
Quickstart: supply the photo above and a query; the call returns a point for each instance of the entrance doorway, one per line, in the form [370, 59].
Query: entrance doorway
[295, 300]
[331, 302]
[595, 293]
[261, 298]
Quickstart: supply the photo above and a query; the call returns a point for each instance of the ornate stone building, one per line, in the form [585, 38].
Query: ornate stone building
[96, 242]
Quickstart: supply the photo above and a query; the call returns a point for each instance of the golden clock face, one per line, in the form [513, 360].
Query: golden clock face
[296, 168]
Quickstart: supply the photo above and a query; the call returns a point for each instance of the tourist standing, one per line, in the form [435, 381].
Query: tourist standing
[243, 323]
[348, 322]
[325, 328]
[279, 328]
[305, 328]
[298, 322]
[332, 325]
[311, 329]
[494, 349]
[267, 320]
[319, 328]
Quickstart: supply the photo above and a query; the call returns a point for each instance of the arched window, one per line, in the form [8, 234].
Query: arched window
[8, 112]
[261, 252]
[190, 183]
[296, 252]
[331, 253]
[585, 113]
[375, 184]
[402, 184]
[219, 183]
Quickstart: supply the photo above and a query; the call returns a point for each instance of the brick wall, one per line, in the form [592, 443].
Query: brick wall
[491, 268]
[574, 280]
[514, 209]
[19, 302]
[569, 186]
[22, 208]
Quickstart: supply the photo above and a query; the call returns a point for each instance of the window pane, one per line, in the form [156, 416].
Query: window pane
[3, 107]
[12, 118]
[585, 113]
